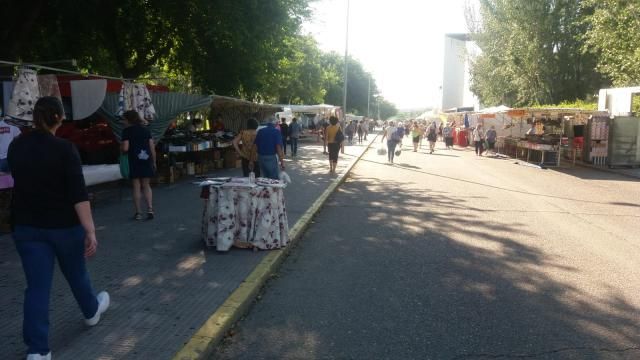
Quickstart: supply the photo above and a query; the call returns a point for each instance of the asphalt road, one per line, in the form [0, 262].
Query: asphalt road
[450, 256]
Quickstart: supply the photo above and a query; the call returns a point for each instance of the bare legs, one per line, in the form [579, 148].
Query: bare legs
[142, 187]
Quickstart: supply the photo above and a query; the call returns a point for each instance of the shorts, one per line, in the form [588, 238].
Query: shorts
[334, 148]
[416, 139]
[492, 145]
[448, 141]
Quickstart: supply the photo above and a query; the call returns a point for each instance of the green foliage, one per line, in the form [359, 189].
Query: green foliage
[245, 48]
[531, 53]
[613, 28]
[578, 104]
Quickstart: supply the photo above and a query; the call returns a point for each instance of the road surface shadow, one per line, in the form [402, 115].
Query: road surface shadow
[380, 275]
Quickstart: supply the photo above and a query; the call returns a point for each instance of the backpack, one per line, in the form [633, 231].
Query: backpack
[339, 138]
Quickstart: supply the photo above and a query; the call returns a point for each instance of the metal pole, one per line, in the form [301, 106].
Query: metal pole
[368, 95]
[346, 66]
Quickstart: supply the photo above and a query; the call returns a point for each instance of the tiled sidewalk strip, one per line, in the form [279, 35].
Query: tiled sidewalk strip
[212, 332]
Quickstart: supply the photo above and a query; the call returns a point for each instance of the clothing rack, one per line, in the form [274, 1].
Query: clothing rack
[42, 67]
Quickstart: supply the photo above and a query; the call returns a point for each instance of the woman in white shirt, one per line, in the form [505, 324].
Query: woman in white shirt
[478, 139]
[393, 138]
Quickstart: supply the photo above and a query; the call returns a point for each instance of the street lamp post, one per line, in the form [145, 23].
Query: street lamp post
[368, 95]
[346, 66]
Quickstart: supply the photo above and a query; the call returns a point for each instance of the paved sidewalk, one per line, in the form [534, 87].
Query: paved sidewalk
[163, 283]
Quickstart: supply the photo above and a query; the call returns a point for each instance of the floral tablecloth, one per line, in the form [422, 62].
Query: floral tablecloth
[244, 217]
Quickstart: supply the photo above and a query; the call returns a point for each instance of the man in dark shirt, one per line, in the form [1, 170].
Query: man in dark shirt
[269, 144]
[284, 132]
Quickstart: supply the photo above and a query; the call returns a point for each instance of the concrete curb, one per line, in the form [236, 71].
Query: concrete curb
[607, 170]
[202, 343]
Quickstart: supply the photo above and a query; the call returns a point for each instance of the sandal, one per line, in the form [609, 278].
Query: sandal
[137, 216]
[150, 214]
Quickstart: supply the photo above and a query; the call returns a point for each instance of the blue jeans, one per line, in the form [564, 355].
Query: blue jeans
[391, 148]
[294, 146]
[4, 165]
[269, 166]
[38, 249]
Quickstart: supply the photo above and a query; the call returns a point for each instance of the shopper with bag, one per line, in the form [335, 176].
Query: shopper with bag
[432, 137]
[138, 144]
[333, 140]
[478, 139]
[394, 136]
[52, 220]
[269, 145]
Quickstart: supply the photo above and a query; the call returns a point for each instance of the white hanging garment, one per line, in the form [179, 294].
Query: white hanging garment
[25, 94]
[136, 97]
[87, 96]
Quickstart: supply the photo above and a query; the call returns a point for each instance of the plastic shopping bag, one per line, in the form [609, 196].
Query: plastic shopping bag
[382, 150]
[284, 177]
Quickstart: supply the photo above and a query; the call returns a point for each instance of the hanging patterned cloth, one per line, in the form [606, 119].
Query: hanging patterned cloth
[24, 97]
[136, 97]
[48, 85]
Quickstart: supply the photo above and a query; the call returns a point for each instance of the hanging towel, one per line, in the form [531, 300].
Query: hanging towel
[7, 91]
[87, 96]
[24, 97]
[136, 97]
[48, 85]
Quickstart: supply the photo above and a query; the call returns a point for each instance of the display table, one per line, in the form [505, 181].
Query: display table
[246, 217]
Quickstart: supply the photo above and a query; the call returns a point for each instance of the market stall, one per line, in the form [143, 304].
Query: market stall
[196, 152]
[240, 213]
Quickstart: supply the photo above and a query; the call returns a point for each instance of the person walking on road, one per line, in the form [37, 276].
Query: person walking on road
[52, 221]
[491, 136]
[333, 143]
[284, 132]
[350, 131]
[294, 135]
[432, 137]
[269, 145]
[478, 139]
[360, 130]
[140, 148]
[416, 134]
[447, 133]
[394, 136]
[323, 126]
[248, 153]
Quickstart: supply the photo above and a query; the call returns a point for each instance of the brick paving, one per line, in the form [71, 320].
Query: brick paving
[163, 283]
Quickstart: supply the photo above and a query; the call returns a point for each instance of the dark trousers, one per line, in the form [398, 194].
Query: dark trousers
[391, 148]
[284, 145]
[294, 146]
[39, 249]
[479, 147]
[246, 170]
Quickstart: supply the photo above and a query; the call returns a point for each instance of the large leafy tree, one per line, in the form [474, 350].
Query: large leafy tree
[531, 53]
[245, 48]
[613, 34]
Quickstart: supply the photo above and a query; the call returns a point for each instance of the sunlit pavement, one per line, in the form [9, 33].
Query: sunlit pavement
[163, 284]
[453, 256]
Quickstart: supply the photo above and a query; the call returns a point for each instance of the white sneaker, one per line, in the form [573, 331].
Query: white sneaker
[39, 357]
[103, 305]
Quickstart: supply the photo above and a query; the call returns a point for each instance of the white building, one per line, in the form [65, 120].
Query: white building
[456, 79]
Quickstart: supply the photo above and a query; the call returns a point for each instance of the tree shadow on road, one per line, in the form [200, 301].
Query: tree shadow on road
[430, 278]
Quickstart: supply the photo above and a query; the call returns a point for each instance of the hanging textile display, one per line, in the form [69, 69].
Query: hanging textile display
[24, 97]
[7, 91]
[87, 96]
[136, 97]
[48, 85]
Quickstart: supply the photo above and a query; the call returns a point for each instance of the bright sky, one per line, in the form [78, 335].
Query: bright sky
[401, 42]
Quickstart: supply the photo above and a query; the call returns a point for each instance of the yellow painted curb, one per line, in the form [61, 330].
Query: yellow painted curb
[211, 333]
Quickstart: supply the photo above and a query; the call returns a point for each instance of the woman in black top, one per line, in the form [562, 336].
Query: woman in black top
[138, 143]
[52, 220]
